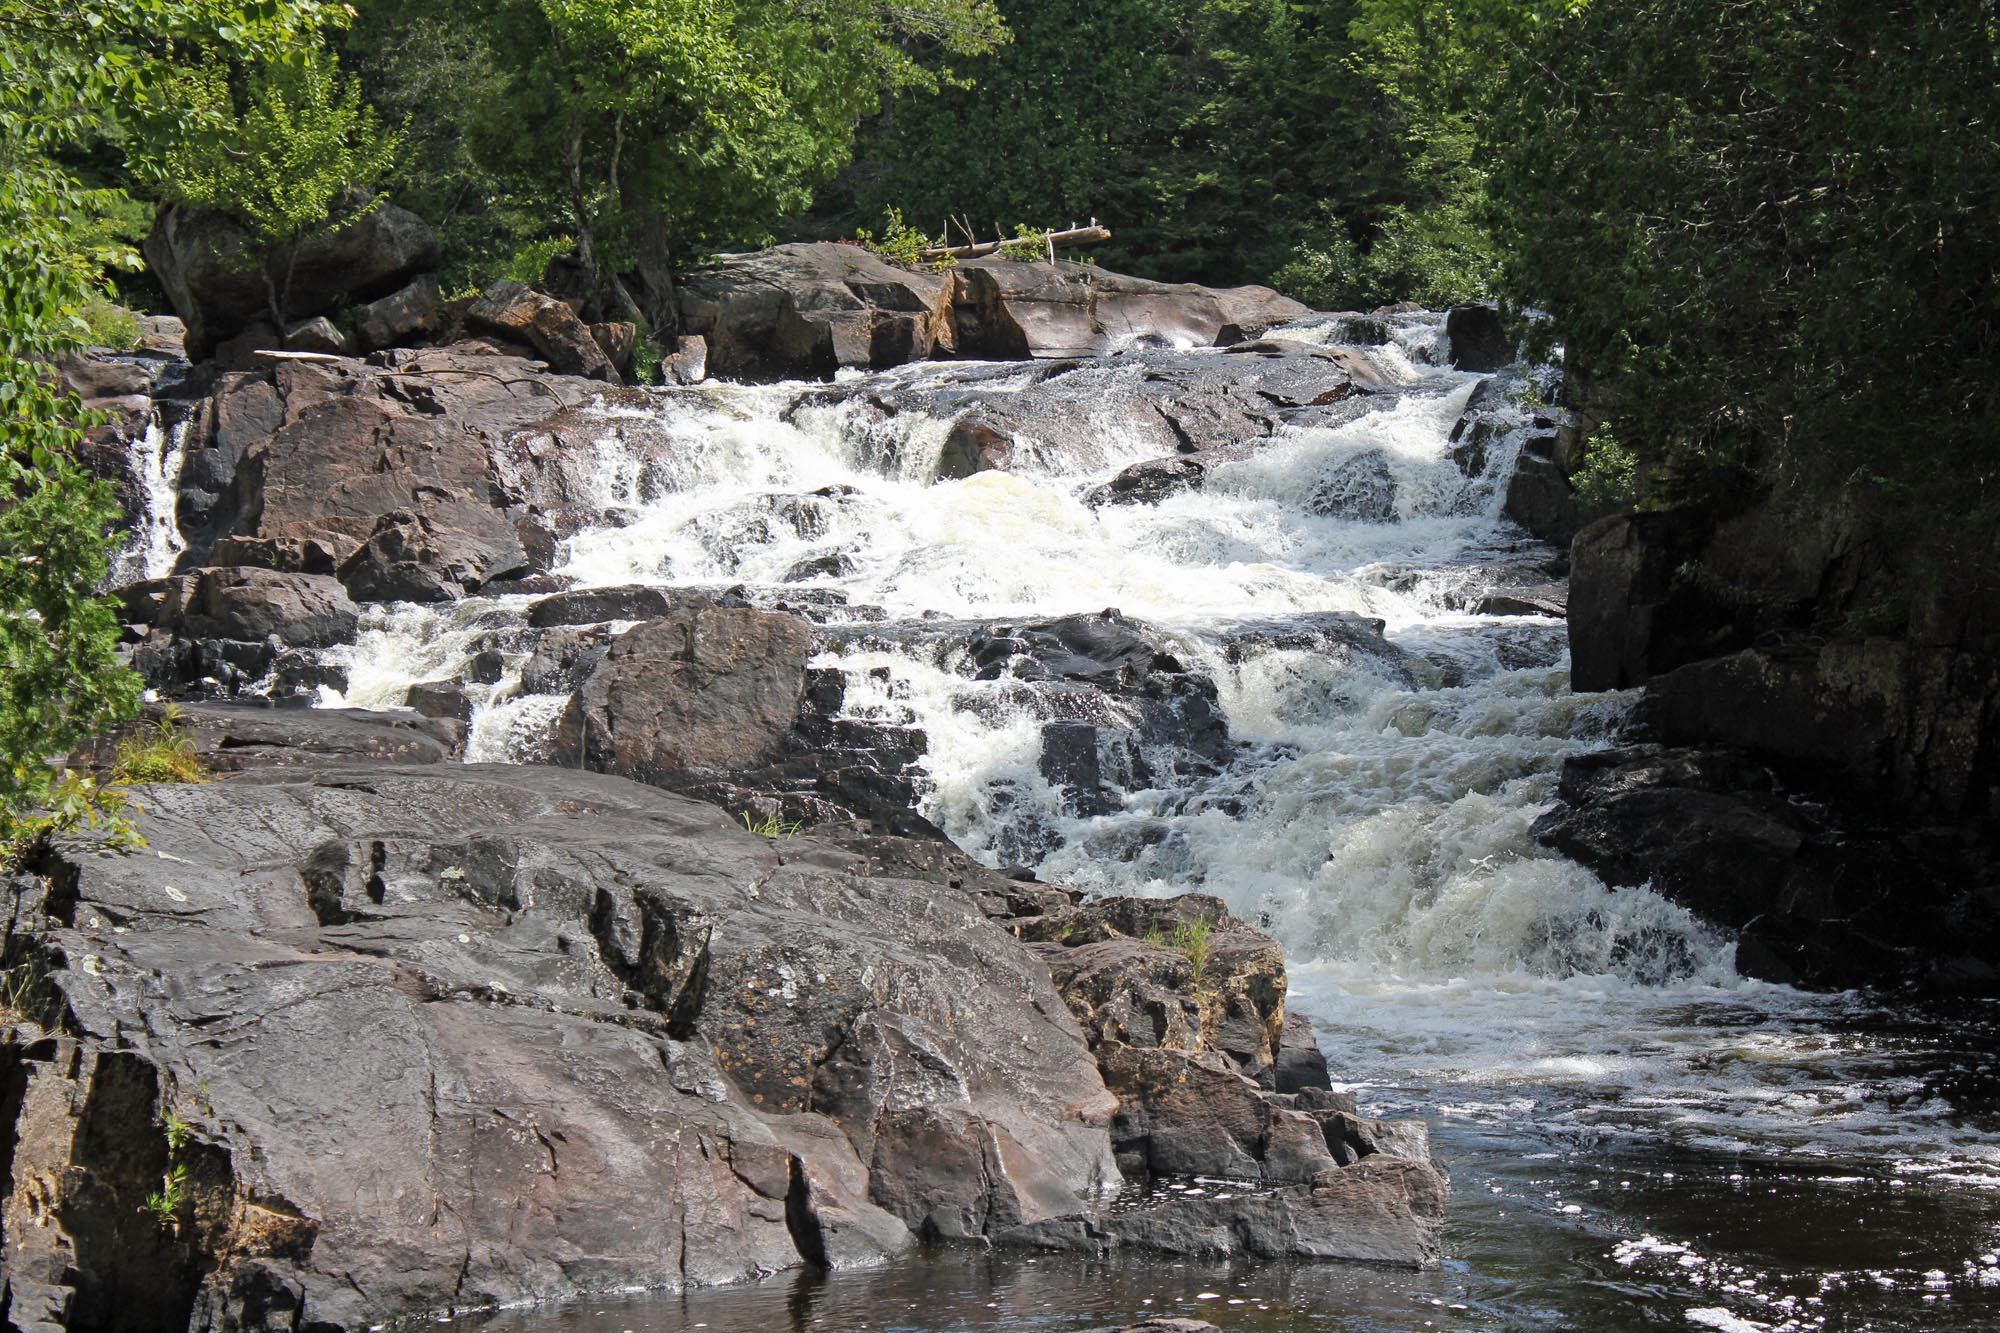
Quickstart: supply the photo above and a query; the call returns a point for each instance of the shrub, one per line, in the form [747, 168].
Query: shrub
[1608, 481]
[902, 244]
[162, 752]
[772, 826]
[109, 326]
[531, 261]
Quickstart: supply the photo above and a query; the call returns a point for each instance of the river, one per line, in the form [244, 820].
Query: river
[1637, 1137]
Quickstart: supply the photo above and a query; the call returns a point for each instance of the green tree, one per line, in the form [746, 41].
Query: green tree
[1210, 135]
[659, 124]
[292, 163]
[72, 72]
[1765, 234]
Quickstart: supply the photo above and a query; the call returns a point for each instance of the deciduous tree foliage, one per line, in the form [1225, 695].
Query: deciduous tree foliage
[300, 146]
[1212, 135]
[70, 70]
[655, 124]
[1766, 230]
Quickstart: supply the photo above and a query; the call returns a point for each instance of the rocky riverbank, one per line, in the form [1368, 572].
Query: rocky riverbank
[1816, 759]
[405, 1039]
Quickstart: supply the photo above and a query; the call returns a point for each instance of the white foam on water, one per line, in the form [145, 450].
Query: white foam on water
[156, 457]
[1373, 814]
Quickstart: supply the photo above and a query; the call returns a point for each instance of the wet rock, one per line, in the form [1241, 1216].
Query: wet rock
[233, 737]
[1360, 487]
[1085, 415]
[204, 261]
[1819, 896]
[1299, 1063]
[1539, 599]
[594, 1028]
[439, 698]
[1478, 340]
[631, 601]
[1382, 1210]
[689, 362]
[562, 657]
[516, 312]
[443, 551]
[700, 693]
[1356, 641]
[95, 376]
[300, 610]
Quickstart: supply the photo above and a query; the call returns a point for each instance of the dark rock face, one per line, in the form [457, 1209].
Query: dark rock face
[203, 260]
[1819, 896]
[704, 692]
[1860, 658]
[811, 309]
[1634, 609]
[1478, 340]
[521, 1034]
[516, 312]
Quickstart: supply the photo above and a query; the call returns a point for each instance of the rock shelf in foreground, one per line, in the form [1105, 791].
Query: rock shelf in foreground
[442, 1037]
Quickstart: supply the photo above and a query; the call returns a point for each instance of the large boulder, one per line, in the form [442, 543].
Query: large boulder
[438, 1039]
[252, 605]
[516, 312]
[404, 316]
[811, 309]
[1008, 309]
[319, 453]
[704, 692]
[204, 261]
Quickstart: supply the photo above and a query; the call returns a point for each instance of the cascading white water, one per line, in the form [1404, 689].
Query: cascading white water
[1374, 816]
[156, 457]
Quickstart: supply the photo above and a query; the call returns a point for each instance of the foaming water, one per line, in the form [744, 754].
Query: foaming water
[156, 457]
[1372, 808]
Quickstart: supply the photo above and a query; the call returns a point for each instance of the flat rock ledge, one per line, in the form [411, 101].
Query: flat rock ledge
[360, 1040]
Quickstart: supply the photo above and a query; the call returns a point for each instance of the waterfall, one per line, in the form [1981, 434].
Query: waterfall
[156, 455]
[1377, 820]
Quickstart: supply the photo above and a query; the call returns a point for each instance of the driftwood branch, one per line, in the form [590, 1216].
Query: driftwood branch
[1057, 240]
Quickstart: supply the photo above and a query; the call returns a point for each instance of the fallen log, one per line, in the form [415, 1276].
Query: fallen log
[1056, 240]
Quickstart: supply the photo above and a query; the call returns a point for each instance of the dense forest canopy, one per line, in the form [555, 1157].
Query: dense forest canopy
[1763, 233]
